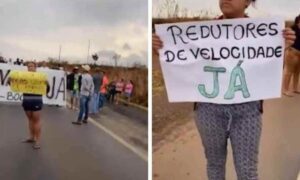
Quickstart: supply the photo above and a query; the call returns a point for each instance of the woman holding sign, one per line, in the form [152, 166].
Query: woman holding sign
[241, 123]
[32, 105]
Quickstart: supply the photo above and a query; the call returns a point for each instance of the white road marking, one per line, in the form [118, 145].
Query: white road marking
[117, 138]
[120, 140]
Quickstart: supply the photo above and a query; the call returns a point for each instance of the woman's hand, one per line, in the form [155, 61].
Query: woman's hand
[156, 43]
[289, 36]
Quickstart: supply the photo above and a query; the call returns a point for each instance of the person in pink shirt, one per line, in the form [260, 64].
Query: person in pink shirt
[103, 89]
[128, 90]
[119, 89]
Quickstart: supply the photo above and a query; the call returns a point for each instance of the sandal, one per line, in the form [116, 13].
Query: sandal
[36, 146]
[297, 92]
[288, 94]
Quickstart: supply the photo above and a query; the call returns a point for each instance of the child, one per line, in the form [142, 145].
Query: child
[240, 122]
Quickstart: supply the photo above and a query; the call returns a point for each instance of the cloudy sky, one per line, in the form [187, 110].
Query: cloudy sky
[34, 29]
[285, 8]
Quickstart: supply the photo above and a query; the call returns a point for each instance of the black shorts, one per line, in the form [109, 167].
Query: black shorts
[32, 104]
[118, 92]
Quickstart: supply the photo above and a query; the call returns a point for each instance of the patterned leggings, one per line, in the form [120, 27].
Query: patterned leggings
[242, 124]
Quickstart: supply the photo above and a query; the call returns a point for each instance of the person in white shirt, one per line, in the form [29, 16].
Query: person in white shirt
[86, 91]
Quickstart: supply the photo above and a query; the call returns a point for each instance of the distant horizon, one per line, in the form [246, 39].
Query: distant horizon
[91, 62]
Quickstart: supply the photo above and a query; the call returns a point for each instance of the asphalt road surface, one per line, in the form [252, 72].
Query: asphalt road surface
[68, 151]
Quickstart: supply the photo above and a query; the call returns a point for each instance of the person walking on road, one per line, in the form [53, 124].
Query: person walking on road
[86, 91]
[241, 123]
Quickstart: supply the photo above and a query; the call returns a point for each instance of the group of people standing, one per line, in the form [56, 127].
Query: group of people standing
[18, 61]
[87, 87]
[92, 89]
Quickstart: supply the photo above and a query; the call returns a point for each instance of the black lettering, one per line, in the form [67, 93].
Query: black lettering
[218, 30]
[205, 54]
[188, 33]
[178, 34]
[224, 49]
[195, 54]
[270, 52]
[253, 52]
[273, 29]
[213, 55]
[50, 94]
[242, 32]
[169, 59]
[14, 96]
[262, 30]
[243, 52]
[202, 28]
[179, 55]
[61, 88]
[3, 78]
[9, 96]
[233, 54]
[278, 51]
[250, 28]
[227, 29]
[260, 51]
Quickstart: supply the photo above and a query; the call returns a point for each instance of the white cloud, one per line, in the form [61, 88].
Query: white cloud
[40, 27]
[288, 9]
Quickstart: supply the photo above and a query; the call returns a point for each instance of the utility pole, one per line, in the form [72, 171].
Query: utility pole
[116, 57]
[87, 59]
[59, 53]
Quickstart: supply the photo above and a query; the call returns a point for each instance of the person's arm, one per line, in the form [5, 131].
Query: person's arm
[157, 44]
[290, 36]
[92, 88]
[79, 83]
[8, 81]
[48, 86]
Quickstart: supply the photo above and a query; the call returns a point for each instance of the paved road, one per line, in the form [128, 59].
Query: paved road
[68, 151]
[279, 157]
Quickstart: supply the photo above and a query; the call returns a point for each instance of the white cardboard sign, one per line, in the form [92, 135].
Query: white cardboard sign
[222, 61]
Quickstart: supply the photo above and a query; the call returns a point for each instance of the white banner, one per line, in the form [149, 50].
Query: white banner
[56, 79]
[222, 61]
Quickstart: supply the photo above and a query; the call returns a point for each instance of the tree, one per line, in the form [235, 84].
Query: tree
[170, 8]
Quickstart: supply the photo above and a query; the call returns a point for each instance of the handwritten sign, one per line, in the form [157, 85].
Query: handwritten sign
[28, 82]
[56, 80]
[222, 61]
